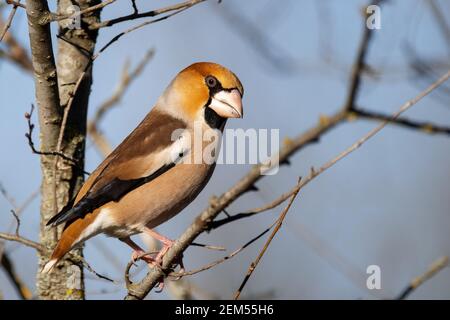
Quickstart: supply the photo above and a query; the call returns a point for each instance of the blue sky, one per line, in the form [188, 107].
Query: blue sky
[386, 204]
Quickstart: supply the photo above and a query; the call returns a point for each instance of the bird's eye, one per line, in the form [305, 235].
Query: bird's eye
[211, 81]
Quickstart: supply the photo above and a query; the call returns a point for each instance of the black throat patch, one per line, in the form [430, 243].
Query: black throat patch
[213, 119]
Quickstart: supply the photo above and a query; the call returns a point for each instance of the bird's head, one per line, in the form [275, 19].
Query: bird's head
[204, 91]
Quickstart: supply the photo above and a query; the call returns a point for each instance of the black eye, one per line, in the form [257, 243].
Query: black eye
[211, 81]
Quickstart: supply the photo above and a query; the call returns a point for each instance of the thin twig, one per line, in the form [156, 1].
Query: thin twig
[183, 7]
[41, 249]
[206, 246]
[29, 137]
[211, 265]
[221, 260]
[349, 150]
[7, 196]
[16, 3]
[358, 69]
[16, 217]
[18, 210]
[435, 267]
[255, 263]
[22, 240]
[135, 8]
[18, 238]
[136, 15]
[423, 126]
[16, 52]
[120, 35]
[84, 263]
[59, 17]
[246, 214]
[314, 173]
[9, 20]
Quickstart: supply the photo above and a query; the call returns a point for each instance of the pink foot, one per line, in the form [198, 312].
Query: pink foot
[167, 244]
[140, 255]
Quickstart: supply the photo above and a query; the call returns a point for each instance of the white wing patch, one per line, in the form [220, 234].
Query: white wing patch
[173, 153]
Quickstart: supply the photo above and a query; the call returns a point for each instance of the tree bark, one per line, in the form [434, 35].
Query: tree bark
[61, 180]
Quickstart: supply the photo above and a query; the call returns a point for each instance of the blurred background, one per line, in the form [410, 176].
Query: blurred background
[387, 204]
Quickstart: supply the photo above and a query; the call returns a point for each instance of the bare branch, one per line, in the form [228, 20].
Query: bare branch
[203, 221]
[16, 209]
[22, 240]
[16, 3]
[16, 217]
[423, 126]
[358, 69]
[179, 275]
[9, 20]
[5, 260]
[273, 204]
[139, 291]
[136, 15]
[206, 246]
[221, 260]
[29, 136]
[40, 248]
[255, 263]
[435, 267]
[135, 8]
[16, 53]
[120, 35]
[7, 196]
[59, 17]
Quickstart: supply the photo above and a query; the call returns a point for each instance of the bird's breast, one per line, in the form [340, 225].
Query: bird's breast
[159, 200]
[162, 198]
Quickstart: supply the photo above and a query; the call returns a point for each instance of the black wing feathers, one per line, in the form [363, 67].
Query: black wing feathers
[113, 191]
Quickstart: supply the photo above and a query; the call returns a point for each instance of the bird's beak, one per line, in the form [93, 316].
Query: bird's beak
[227, 104]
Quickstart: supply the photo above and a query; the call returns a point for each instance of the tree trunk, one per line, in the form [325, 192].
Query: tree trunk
[61, 180]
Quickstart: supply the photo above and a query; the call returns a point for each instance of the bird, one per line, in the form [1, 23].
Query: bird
[153, 174]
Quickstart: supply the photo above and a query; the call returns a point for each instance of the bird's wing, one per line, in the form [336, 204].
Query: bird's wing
[152, 149]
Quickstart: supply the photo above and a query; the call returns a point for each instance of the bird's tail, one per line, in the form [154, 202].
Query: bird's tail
[68, 240]
[49, 266]
[62, 247]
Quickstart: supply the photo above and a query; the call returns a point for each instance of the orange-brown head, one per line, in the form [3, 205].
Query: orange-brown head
[204, 90]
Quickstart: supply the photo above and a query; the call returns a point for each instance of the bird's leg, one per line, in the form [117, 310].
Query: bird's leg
[138, 252]
[167, 243]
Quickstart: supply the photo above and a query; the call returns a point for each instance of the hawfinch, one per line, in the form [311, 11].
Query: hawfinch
[146, 180]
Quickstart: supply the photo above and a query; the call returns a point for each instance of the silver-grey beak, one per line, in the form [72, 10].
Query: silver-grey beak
[227, 104]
